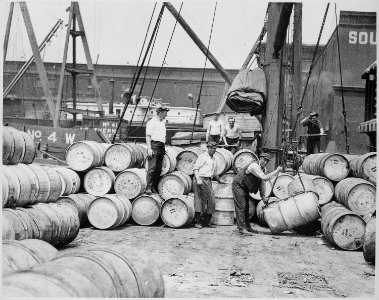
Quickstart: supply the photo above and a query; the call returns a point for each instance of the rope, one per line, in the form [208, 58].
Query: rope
[134, 82]
[202, 77]
[160, 70]
[340, 69]
[142, 85]
[52, 156]
[299, 110]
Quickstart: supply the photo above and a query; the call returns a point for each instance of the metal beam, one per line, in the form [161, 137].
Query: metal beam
[272, 119]
[198, 42]
[39, 63]
[8, 30]
[90, 66]
[297, 66]
[25, 67]
[63, 66]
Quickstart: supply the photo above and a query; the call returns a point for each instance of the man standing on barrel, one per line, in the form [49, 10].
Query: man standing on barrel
[155, 140]
[315, 131]
[249, 180]
[204, 170]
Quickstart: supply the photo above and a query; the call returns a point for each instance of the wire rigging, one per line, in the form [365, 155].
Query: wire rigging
[343, 99]
[202, 76]
[160, 70]
[135, 78]
[145, 74]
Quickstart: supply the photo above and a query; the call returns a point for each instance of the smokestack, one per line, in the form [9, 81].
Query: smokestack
[111, 82]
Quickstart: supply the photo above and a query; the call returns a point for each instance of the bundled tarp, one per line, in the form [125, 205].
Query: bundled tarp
[248, 92]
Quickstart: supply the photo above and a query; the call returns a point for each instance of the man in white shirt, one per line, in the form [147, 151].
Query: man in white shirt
[215, 129]
[249, 180]
[204, 170]
[155, 140]
[232, 135]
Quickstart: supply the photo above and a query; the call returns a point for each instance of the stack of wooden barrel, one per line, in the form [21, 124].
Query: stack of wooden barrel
[343, 220]
[30, 192]
[33, 268]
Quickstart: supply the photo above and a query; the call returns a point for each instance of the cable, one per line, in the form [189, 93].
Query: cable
[202, 77]
[160, 71]
[340, 69]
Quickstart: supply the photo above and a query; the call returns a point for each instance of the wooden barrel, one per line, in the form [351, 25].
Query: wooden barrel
[21, 227]
[357, 194]
[342, 227]
[369, 241]
[224, 212]
[55, 184]
[33, 181]
[146, 209]
[99, 181]
[71, 179]
[335, 167]
[43, 182]
[109, 211]
[19, 146]
[280, 185]
[25, 186]
[7, 229]
[363, 166]
[122, 156]
[4, 188]
[187, 158]
[242, 158]
[174, 184]
[268, 190]
[323, 187]
[85, 155]
[141, 154]
[228, 177]
[178, 211]
[301, 184]
[222, 189]
[105, 272]
[224, 160]
[259, 210]
[8, 146]
[292, 212]
[22, 255]
[14, 187]
[169, 159]
[80, 202]
[131, 183]
[30, 149]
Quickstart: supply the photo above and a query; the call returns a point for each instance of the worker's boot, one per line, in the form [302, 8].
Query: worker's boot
[198, 220]
[207, 221]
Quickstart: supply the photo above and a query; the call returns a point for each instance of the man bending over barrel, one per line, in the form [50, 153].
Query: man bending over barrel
[249, 180]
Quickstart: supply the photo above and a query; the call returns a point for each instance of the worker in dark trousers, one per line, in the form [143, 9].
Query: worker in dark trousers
[155, 140]
[314, 131]
[249, 180]
[204, 170]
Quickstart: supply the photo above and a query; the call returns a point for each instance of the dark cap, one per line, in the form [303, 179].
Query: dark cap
[162, 108]
[265, 156]
[216, 113]
[313, 113]
[212, 144]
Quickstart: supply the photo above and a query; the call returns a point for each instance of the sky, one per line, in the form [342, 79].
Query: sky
[116, 30]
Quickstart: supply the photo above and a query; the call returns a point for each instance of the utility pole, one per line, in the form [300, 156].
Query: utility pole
[297, 67]
[273, 118]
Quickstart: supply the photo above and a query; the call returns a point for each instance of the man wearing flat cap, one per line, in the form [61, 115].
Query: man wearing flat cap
[314, 132]
[155, 141]
[204, 170]
[215, 131]
[249, 180]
